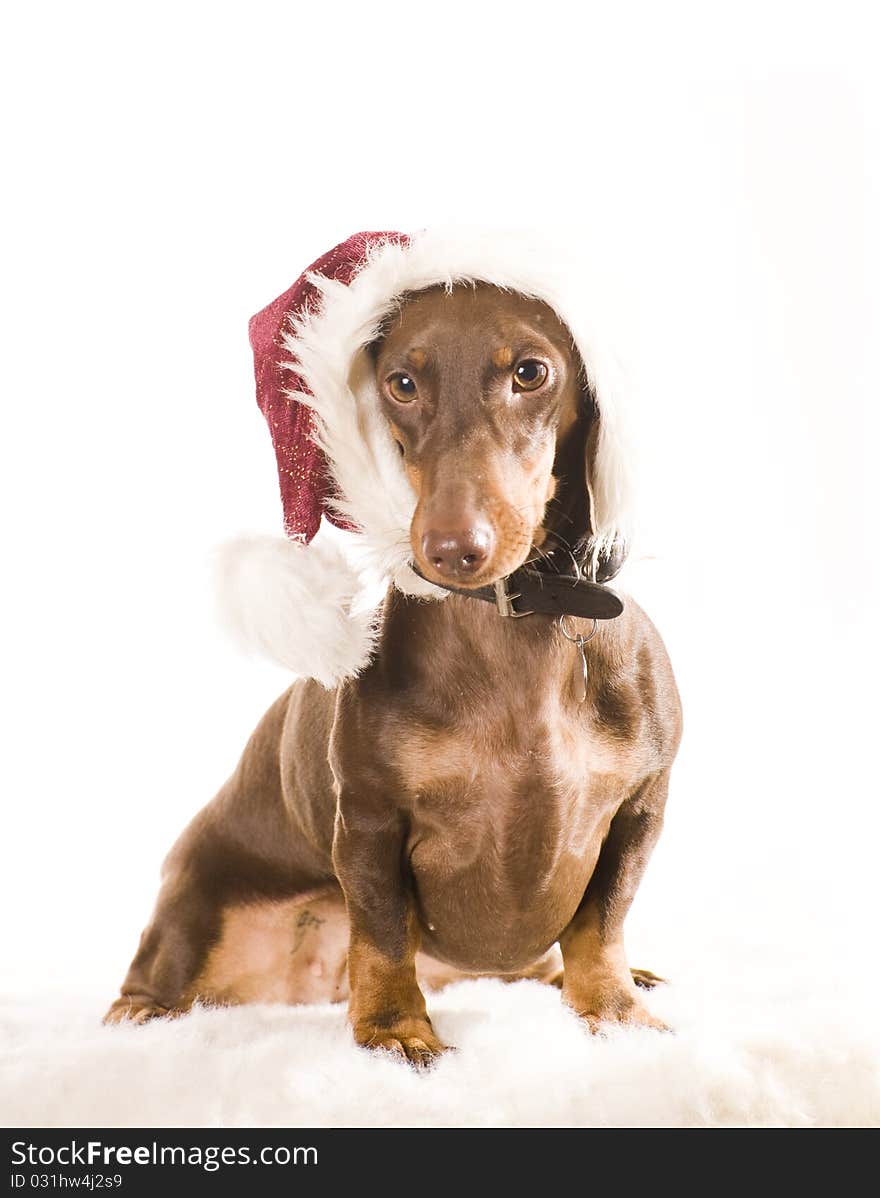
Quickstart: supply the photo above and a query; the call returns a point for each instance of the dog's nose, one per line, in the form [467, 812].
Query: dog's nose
[457, 554]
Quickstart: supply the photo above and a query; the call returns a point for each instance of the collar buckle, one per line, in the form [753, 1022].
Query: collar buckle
[504, 601]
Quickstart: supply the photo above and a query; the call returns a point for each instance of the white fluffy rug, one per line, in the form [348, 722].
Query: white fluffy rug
[773, 1042]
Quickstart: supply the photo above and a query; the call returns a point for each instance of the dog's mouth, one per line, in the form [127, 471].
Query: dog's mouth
[460, 581]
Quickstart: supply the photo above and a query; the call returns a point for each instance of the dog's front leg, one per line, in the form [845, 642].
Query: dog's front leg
[596, 979]
[386, 1007]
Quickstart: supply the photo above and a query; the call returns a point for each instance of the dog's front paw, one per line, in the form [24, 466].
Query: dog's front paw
[612, 1004]
[412, 1039]
[634, 1015]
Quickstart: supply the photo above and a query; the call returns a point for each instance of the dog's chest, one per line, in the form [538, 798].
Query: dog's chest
[506, 823]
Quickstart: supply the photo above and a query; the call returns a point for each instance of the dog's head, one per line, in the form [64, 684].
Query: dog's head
[488, 401]
[508, 411]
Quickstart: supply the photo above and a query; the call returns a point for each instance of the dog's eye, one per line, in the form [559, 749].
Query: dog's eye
[402, 388]
[529, 375]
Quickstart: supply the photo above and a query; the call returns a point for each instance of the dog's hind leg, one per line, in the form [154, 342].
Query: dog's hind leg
[169, 955]
[246, 850]
[279, 951]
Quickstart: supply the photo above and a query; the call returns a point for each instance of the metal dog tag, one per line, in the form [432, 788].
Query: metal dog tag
[579, 641]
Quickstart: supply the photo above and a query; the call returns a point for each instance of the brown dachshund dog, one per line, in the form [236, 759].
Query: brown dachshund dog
[460, 807]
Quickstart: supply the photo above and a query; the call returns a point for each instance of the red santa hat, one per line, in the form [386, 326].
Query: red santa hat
[305, 599]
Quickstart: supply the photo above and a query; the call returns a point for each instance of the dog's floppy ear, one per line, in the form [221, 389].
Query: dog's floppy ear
[605, 562]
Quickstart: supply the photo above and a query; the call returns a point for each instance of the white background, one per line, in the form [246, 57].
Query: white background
[170, 168]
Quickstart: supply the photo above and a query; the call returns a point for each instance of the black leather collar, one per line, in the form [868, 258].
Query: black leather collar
[528, 592]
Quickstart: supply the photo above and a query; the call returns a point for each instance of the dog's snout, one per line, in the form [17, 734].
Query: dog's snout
[458, 553]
